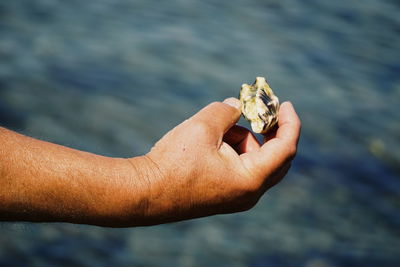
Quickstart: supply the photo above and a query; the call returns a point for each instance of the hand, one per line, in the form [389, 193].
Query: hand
[208, 165]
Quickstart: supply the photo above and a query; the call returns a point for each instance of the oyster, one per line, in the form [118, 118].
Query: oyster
[259, 105]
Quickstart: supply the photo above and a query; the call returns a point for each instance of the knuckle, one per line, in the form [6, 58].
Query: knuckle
[297, 125]
[297, 122]
[200, 127]
[220, 106]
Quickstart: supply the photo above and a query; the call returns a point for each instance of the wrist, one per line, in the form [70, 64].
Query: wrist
[126, 200]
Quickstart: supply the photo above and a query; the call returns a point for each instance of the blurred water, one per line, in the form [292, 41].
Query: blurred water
[112, 76]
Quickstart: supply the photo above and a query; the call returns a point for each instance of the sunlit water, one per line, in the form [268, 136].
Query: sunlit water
[112, 77]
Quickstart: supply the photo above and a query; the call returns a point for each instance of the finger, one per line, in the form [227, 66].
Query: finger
[241, 139]
[283, 121]
[280, 150]
[271, 134]
[218, 116]
[289, 124]
[287, 136]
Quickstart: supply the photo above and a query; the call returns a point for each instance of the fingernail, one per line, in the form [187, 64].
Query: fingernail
[233, 102]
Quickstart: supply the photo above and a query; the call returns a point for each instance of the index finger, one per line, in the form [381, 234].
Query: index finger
[279, 150]
[289, 124]
[284, 145]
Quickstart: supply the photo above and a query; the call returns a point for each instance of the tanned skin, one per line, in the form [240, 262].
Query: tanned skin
[206, 165]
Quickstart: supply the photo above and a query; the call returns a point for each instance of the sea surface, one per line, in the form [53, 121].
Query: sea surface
[113, 76]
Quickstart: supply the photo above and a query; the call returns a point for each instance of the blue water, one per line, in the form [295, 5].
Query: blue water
[113, 76]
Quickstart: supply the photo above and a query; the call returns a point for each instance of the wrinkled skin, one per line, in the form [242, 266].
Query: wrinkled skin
[208, 165]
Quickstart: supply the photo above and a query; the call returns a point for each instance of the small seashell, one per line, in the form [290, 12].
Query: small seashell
[259, 105]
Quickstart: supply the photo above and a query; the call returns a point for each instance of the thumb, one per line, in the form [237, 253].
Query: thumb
[219, 116]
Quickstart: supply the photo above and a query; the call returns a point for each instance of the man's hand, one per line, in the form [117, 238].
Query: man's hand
[208, 165]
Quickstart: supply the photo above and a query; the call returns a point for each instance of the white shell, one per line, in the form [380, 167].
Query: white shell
[259, 105]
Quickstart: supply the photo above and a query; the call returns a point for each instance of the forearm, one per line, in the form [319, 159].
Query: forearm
[204, 166]
[40, 181]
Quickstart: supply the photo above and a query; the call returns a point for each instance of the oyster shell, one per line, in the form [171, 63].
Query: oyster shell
[259, 105]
